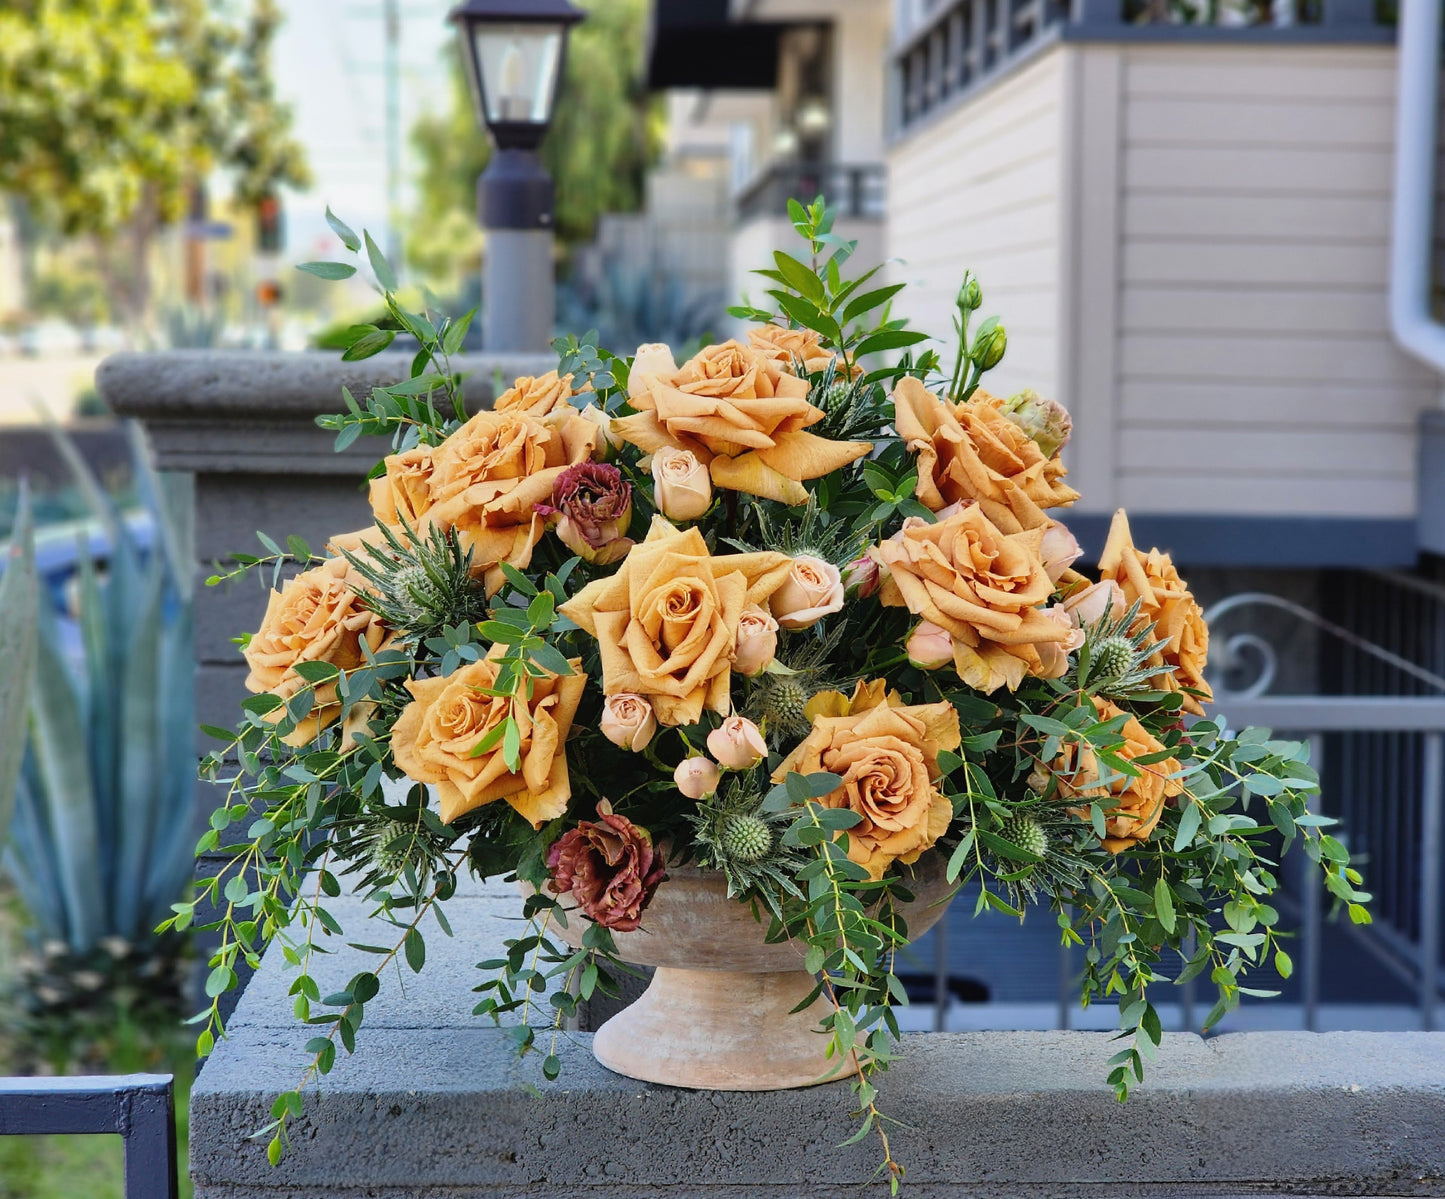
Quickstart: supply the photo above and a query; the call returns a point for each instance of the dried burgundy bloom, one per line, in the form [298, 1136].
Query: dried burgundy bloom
[591, 508]
[609, 866]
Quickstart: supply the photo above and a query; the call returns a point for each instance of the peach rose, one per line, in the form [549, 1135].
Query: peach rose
[489, 476]
[434, 738]
[737, 744]
[929, 647]
[666, 623]
[402, 496]
[972, 453]
[1091, 604]
[888, 759]
[757, 641]
[1059, 549]
[653, 360]
[789, 346]
[1165, 600]
[607, 443]
[696, 777]
[743, 417]
[627, 721]
[318, 616]
[680, 484]
[1132, 806]
[984, 587]
[539, 395]
[812, 590]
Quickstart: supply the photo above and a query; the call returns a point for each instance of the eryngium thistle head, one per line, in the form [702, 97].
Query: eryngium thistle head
[1027, 834]
[1047, 422]
[1113, 657]
[745, 838]
[393, 847]
[416, 589]
[781, 700]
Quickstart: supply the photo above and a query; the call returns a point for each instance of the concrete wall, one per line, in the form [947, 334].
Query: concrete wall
[1189, 246]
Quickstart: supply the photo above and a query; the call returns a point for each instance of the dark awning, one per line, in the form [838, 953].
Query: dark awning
[692, 43]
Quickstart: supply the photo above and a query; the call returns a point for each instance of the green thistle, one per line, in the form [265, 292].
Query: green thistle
[1115, 662]
[733, 835]
[1027, 834]
[745, 839]
[1113, 657]
[392, 848]
[780, 700]
[420, 583]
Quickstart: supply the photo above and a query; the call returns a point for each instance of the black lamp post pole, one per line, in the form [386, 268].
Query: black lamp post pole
[514, 205]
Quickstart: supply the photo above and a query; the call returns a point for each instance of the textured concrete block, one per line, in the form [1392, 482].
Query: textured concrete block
[230, 509]
[436, 1104]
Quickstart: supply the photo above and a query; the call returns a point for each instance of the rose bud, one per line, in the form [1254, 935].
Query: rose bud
[682, 489]
[628, 721]
[860, 578]
[988, 345]
[811, 591]
[1054, 656]
[607, 442]
[609, 867]
[929, 647]
[1038, 780]
[1059, 550]
[1047, 422]
[697, 777]
[1087, 607]
[737, 745]
[757, 641]
[591, 508]
[652, 361]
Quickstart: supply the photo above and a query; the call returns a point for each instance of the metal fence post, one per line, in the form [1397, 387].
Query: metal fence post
[1430, 847]
[941, 994]
[1310, 934]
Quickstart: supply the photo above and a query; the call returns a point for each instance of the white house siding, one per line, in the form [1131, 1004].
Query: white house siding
[1189, 244]
[1256, 372]
[979, 187]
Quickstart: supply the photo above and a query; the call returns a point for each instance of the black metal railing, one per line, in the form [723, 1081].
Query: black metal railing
[139, 1108]
[962, 44]
[854, 191]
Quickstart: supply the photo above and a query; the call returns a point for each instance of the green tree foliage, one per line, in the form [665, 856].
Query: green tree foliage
[605, 133]
[111, 112]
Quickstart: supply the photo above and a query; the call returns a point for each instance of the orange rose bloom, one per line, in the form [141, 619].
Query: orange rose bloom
[981, 586]
[435, 734]
[1165, 600]
[667, 621]
[743, 417]
[538, 395]
[402, 496]
[787, 346]
[315, 617]
[972, 453]
[1132, 806]
[888, 758]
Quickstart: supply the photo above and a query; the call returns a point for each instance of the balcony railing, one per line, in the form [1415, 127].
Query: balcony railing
[856, 191]
[962, 44]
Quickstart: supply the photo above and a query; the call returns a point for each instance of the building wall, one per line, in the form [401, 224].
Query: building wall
[980, 188]
[1189, 245]
[754, 241]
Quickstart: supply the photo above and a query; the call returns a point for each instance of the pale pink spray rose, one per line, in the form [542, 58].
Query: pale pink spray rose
[1054, 656]
[757, 641]
[697, 777]
[607, 441]
[928, 647]
[737, 744]
[1059, 549]
[812, 590]
[861, 578]
[628, 721]
[653, 360]
[682, 487]
[1089, 605]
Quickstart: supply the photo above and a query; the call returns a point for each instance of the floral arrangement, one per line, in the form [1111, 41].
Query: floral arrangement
[799, 608]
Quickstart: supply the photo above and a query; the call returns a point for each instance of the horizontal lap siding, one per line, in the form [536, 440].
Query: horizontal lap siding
[979, 188]
[1254, 352]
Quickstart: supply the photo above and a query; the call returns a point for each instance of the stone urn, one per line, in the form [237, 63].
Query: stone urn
[718, 1014]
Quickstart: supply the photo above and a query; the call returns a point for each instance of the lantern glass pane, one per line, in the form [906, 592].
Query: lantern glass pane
[519, 70]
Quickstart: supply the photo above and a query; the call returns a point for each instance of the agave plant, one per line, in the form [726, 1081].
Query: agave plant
[100, 840]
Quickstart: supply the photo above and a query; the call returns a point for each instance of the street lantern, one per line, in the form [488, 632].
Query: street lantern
[514, 51]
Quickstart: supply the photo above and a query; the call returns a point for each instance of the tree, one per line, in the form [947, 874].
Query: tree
[112, 113]
[605, 133]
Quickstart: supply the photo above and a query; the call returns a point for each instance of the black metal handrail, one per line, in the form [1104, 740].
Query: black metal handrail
[854, 190]
[139, 1108]
[965, 43]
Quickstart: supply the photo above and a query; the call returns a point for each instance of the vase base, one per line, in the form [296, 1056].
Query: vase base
[721, 1030]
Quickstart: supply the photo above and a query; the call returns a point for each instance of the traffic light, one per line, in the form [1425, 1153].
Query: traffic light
[268, 293]
[270, 225]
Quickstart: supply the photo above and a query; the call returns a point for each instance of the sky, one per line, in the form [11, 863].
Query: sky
[328, 66]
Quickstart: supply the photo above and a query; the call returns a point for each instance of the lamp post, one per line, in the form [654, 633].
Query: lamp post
[514, 51]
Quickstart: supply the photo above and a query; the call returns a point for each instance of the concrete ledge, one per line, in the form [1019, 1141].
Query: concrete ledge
[436, 1104]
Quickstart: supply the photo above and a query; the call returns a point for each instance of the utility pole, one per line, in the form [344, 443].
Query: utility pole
[392, 19]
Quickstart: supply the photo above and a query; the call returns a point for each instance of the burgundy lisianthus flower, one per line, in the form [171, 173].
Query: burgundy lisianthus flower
[591, 508]
[609, 867]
